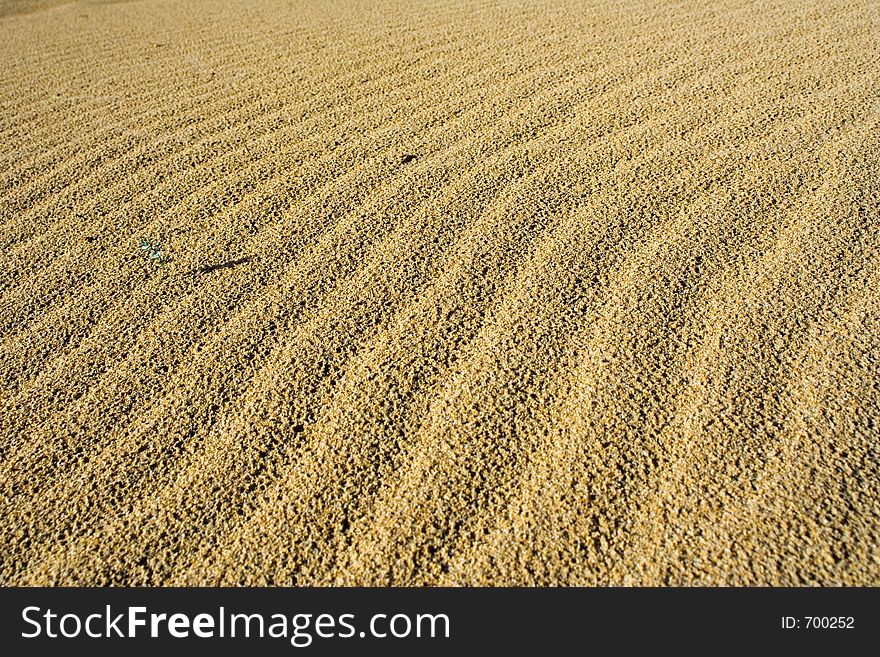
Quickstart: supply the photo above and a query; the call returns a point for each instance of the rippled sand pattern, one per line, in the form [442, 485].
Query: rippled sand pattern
[496, 292]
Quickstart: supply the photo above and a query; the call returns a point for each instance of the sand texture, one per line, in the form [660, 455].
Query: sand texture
[495, 292]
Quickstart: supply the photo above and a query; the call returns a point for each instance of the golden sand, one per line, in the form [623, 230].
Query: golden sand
[491, 292]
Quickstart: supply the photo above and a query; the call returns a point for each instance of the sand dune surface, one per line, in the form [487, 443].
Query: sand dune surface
[503, 292]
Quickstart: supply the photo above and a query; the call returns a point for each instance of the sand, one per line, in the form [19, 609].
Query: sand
[506, 292]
